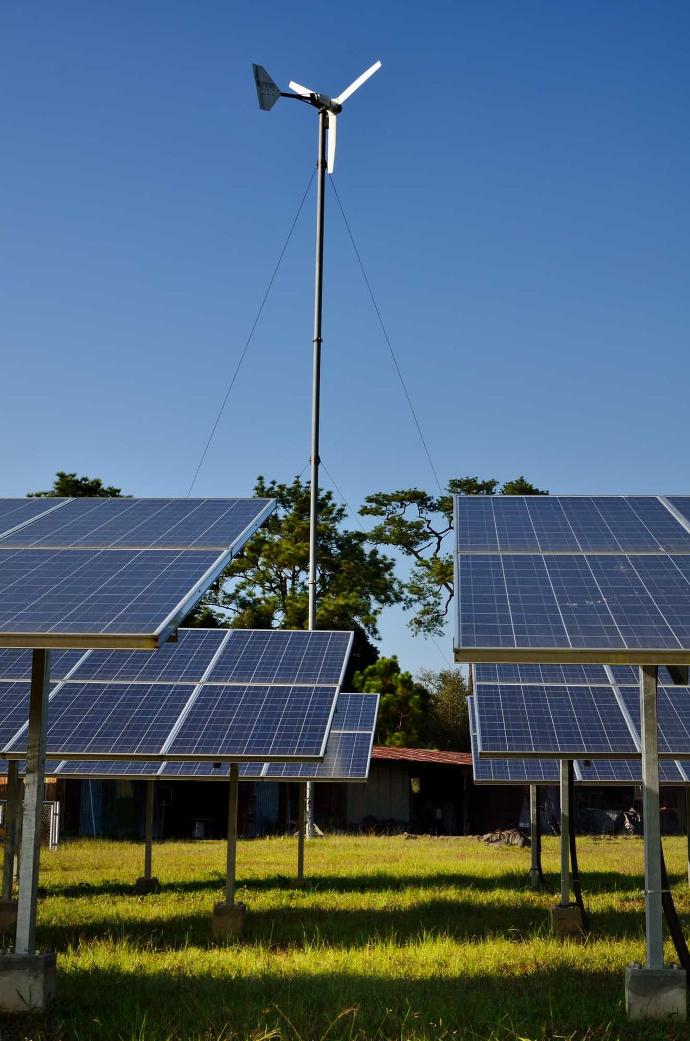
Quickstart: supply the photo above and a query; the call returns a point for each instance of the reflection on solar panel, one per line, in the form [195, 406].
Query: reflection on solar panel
[567, 578]
[278, 656]
[673, 707]
[89, 589]
[566, 722]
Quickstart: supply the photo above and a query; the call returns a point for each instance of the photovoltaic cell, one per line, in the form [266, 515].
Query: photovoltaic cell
[559, 721]
[15, 512]
[254, 722]
[183, 661]
[347, 758]
[355, 712]
[281, 656]
[100, 523]
[508, 771]
[115, 719]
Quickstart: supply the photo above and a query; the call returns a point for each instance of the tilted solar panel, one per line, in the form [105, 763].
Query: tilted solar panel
[280, 656]
[102, 523]
[543, 721]
[508, 771]
[565, 579]
[673, 707]
[16, 512]
[184, 661]
[570, 675]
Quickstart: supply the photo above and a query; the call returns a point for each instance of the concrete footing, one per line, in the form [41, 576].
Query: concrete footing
[228, 921]
[27, 981]
[566, 921]
[8, 915]
[144, 886]
[535, 880]
[656, 993]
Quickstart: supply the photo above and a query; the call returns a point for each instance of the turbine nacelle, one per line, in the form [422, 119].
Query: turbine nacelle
[268, 93]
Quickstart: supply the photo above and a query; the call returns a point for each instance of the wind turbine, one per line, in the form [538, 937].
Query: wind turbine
[328, 109]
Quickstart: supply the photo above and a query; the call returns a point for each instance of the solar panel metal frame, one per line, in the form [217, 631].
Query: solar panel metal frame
[565, 654]
[132, 641]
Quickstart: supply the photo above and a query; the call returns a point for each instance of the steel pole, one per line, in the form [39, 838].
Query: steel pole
[300, 831]
[651, 817]
[231, 868]
[535, 880]
[565, 835]
[316, 401]
[34, 781]
[148, 833]
[11, 814]
[687, 826]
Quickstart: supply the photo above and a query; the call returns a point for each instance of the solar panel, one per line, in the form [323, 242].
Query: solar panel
[572, 578]
[508, 771]
[572, 675]
[184, 661]
[543, 721]
[255, 722]
[116, 597]
[100, 523]
[15, 664]
[673, 708]
[16, 512]
[347, 758]
[117, 719]
[281, 656]
[624, 771]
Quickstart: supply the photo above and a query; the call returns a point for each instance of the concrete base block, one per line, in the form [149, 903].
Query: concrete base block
[144, 886]
[535, 880]
[566, 921]
[228, 921]
[27, 981]
[656, 993]
[8, 915]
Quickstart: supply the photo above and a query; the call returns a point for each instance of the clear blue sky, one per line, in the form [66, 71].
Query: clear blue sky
[517, 179]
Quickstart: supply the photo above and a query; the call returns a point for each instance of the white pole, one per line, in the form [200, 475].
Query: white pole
[651, 817]
[231, 868]
[34, 780]
[565, 835]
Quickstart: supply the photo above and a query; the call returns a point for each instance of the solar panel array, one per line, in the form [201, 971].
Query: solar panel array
[547, 771]
[347, 758]
[573, 712]
[178, 703]
[572, 578]
[112, 572]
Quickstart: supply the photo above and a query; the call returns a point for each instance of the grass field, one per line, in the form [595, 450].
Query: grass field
[391, 939]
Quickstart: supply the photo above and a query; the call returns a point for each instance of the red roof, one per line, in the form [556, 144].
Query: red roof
[422, 755]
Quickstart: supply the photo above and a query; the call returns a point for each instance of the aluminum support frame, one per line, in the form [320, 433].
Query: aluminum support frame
[651, 817]
[34, 781]
[148, 832]
[565, 834]
[535, 872]
[301, 828]
[11, 826]
[231, 866]
[687, 826]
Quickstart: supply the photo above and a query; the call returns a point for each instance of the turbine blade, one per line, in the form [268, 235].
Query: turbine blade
[357, 83]
[266, 90]
[330, 161]
[299, 89]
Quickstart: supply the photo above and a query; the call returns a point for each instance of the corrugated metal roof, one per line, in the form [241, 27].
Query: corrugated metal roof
[422, 755]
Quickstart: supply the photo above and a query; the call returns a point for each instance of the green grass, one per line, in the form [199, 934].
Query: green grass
[391, 939]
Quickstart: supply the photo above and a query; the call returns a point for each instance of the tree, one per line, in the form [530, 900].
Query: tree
[447, 722]
[266, 586]
[402, 705]
[417, 524]
[71, 486]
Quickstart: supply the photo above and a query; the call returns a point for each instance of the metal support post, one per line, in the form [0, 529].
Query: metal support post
[316, 400]
[11, 815]
[687, 826]
[231, 868]
[34, 780]
[148, 833]
[535, 879]
[302, 789]
[565, 835]
[651, 817]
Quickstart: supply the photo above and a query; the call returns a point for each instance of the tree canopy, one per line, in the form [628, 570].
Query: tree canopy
[417, 525]
[403, 703]
[70, 486]
[266, 586]
[447, 722]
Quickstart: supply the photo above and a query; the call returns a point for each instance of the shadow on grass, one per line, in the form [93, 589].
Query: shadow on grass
[346, 1006]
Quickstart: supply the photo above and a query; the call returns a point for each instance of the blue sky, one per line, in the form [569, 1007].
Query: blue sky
[516, 177]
